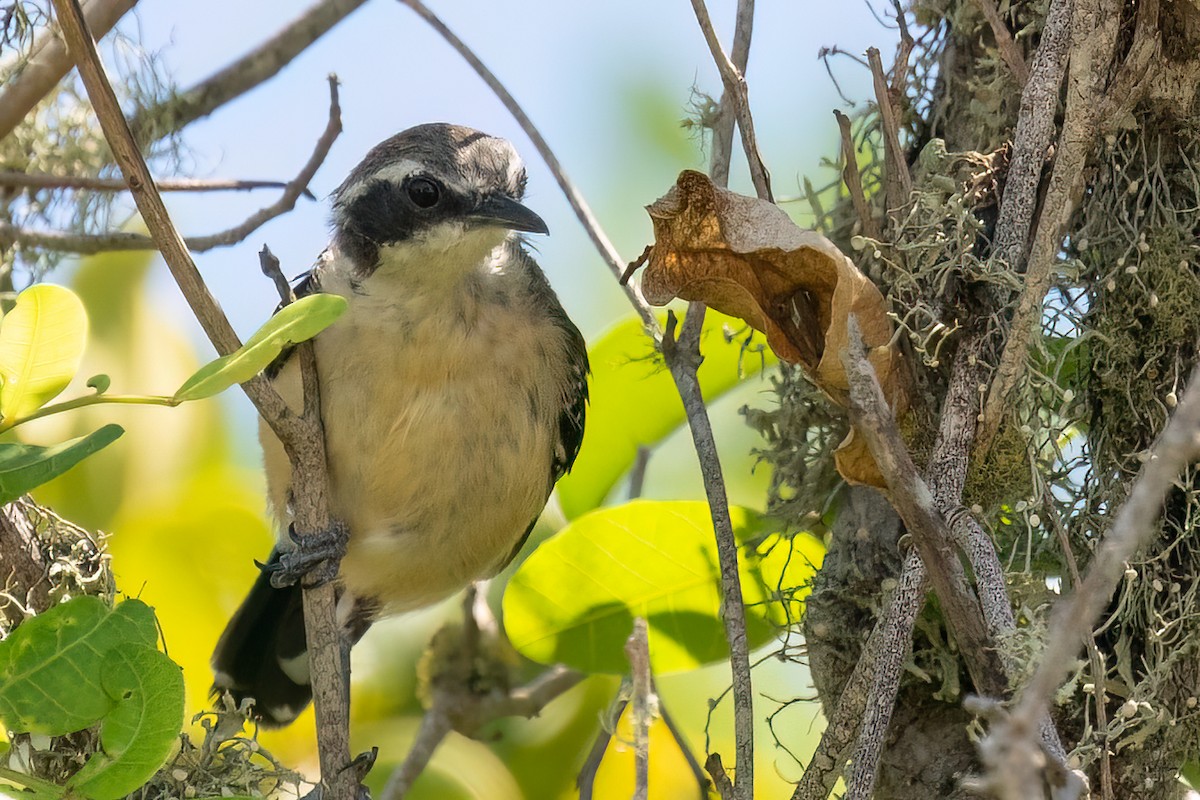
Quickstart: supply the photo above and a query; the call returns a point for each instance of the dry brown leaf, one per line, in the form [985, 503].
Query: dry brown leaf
[746, 258]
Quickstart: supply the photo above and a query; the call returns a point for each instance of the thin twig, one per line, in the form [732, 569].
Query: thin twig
[683, 364]
[435, 726]
[302, 436]
[87, 244]
[1004, 41]
[642, 712]
[50, 63]
[898, 182]
[250, 70]
[586, 780]
[1095, 657]
[735, 89]
[29, 180]
[580, 206]
[853, 179]
[722, 126]
[1075, 615]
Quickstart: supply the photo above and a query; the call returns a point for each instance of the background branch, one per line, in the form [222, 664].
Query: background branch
[30, 180]
[88, 244]
[252, 69]
[637, 650]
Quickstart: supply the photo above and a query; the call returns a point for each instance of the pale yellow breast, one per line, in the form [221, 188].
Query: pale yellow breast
[439, 433]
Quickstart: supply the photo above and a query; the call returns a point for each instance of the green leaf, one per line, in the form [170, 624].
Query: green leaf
[41, 343]
[294, 323]
[50, 667]
[140, 732]
[100, 383]
[574, 599]
[634, 402]
[25, 466]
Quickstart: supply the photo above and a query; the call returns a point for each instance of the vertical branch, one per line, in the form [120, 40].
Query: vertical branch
[722, 126]
[637, 650]
[853, 179]
[302, 437]
[898, 183]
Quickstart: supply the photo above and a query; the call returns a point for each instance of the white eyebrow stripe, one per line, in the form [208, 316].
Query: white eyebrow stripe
[395, 173]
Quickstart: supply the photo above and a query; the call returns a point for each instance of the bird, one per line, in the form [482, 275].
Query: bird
[453, 396]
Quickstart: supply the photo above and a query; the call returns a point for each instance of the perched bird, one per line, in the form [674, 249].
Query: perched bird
[453, 392]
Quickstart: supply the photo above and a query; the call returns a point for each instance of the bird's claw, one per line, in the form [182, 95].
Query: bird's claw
[315, 558]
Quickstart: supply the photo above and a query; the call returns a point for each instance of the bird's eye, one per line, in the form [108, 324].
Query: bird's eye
[423, 192]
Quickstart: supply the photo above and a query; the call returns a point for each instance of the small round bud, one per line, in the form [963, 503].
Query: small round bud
[1157, 584]
[858, 242]
[1111, 285]
[1171, 399]
[1132, 187]
[1153, 299]
[1128, 709]
[1035, 521]
[1068, 395]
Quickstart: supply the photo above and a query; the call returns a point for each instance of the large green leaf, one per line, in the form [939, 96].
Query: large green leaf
[294, 323]
[634, 402]
[41, 343]
[50, 667]
[142, 729]
[26, 466]
[574, 599]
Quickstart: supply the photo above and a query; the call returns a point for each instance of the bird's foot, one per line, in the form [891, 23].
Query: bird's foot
[361, 765]
[315, 558]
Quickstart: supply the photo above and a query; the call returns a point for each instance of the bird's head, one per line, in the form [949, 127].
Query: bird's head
[432, 191]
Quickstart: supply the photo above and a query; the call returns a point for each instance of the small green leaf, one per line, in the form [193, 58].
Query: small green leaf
[140, 732]
[41, 343]
[50, 667]
[634, 402]
[100, 383]
[25, 466]
[574, 599]
[294, 323]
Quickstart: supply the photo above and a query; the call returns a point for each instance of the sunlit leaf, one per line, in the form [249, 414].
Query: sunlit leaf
[26, 466]
[141, 730]
[50, 667]
[574, 599]
[41, 343]
[634, 402]
[294, 323]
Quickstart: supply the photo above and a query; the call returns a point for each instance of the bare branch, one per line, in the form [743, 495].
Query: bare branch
[31, 180]
[50, 63]
[1075, 615]
[580, 206]
[435, 726]
[302, 437]
[1035, 129]
[720, 778]
[884, 652]
[722, 126]
[252, 69]
[1004, 41]
[683, 364]
[735, 89]
[898, 182]
[637, 650]
[853, 179]
[1093, 40]
[87, 244]
[586, 780]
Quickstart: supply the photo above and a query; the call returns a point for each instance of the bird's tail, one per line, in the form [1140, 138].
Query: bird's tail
[263, 653]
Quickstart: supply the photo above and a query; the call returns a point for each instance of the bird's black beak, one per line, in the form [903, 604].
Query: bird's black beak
[501, 210]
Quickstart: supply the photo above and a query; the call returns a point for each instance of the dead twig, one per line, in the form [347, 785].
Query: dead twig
[853, 179]
[252, 69]
[87, 244]
[302, 436]
[50, 62]
[735, 89]
[898, 182]
[1004, 42]
[30, 180]
[720, 778]
[722, 126]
